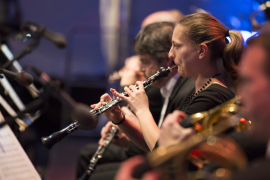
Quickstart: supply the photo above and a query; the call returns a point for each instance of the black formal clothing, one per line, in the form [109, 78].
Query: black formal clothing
[209, 98]
[252, 148]
[182, 87]
[257, 171]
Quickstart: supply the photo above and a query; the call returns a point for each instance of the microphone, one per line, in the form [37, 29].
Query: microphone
[58, 39]
[23, 78]
[78, 111]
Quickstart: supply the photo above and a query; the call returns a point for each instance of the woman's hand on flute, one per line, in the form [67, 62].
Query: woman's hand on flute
[137, 98]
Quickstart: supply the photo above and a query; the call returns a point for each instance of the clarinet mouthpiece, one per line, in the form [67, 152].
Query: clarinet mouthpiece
[174, 66]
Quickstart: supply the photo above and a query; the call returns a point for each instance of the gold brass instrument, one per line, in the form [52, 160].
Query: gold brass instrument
[204, 121]
[204, 146]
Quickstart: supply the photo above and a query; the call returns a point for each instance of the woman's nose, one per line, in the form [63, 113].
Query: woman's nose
[171, 55]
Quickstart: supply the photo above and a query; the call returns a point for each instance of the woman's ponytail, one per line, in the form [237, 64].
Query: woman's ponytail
[232, 53]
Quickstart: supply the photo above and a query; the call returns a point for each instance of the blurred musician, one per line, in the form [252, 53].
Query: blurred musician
[254, 89]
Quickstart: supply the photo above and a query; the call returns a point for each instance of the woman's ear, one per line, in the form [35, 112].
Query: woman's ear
[203, 51]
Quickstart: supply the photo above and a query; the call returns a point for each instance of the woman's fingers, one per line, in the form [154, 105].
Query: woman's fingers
[103, 99]
[93, 105]
[140, 84]
[128, 91]
[133, 88]
[116, 94]
[139, 87]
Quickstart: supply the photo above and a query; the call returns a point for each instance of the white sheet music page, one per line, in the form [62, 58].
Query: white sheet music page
[14, 163]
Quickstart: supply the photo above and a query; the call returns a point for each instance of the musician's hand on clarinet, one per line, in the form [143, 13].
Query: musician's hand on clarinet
[121, 140]
[171, 132]
[137, 100]
[104, 132]
[114, 113]
[128, 166]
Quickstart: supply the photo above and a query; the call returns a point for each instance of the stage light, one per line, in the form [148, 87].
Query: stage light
[235, 22]
[247, 34]
[256, 6]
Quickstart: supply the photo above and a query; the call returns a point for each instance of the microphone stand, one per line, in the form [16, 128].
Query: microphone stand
[33, 44]
[33, 106]
[78, 111]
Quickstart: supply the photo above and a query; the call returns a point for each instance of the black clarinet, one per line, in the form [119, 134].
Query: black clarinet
[161, 73]
[49, 141]
[98, 154]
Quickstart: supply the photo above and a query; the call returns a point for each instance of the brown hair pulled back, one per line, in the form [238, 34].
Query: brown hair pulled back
[203, 28]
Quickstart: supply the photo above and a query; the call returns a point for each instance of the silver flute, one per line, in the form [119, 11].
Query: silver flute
[99, 154]
[49, 141]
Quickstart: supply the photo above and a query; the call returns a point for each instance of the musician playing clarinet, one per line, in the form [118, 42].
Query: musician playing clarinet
[152, 45]
[199, 45]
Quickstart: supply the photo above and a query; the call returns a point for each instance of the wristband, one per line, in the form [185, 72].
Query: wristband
[124, 117]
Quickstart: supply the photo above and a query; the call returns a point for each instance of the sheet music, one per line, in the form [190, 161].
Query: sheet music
[14, 163]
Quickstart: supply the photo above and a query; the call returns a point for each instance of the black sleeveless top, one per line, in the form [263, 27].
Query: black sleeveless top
[209, 98]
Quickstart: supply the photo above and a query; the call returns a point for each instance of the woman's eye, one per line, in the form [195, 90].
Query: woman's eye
[175, 46]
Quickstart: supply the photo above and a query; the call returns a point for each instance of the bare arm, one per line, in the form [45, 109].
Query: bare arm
[138, 102]
[130, 126]
[132, 129]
